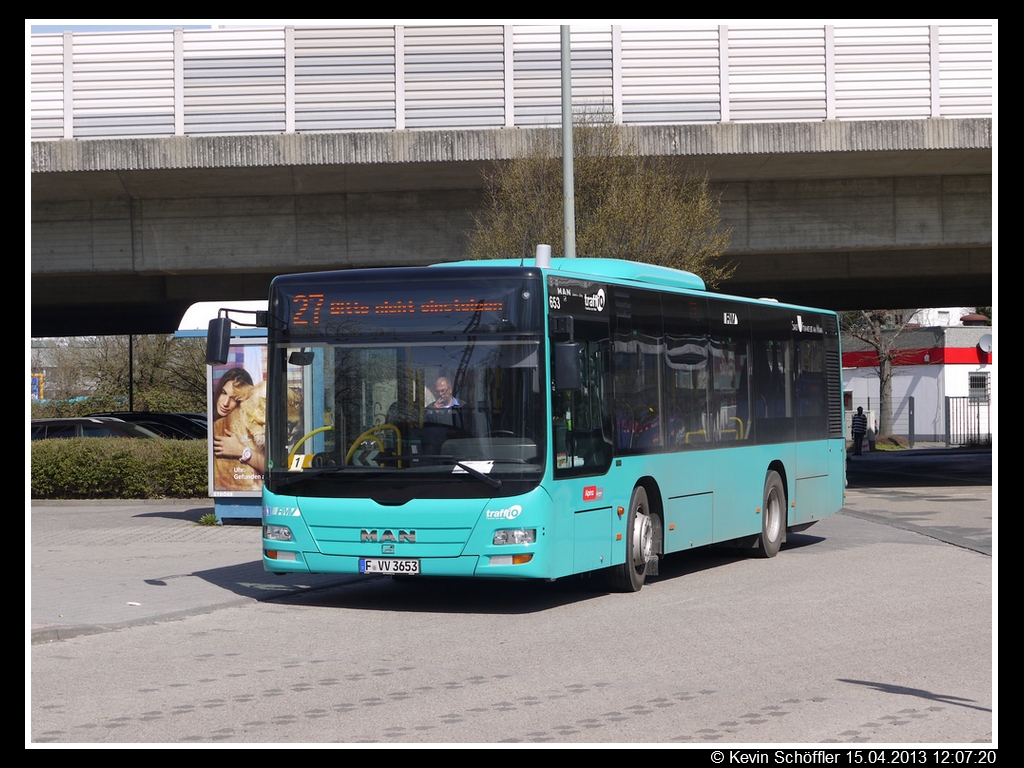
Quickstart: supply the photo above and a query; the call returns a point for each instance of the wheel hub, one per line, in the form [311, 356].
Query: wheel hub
[774, 516]
[643, 539]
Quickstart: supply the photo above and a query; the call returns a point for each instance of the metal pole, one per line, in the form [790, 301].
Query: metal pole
[911, 404]
[131, 373]
[568, 185]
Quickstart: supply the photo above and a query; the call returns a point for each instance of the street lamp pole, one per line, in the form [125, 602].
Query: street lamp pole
[568, 193]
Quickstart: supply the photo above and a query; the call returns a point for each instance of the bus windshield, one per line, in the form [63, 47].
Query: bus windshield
[390, 420]
[439, 400]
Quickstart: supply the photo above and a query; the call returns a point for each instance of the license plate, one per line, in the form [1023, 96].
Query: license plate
[389, 566]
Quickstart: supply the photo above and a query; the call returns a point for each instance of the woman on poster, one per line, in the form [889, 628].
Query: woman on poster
[238, 432]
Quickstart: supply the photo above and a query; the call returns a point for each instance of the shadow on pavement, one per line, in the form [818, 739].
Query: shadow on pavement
[191, 515]
[919, 469]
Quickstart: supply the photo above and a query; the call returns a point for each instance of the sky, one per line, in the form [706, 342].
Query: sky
[92, 26]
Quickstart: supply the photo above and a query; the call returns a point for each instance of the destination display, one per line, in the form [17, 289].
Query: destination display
[449, 305]
[315, 308]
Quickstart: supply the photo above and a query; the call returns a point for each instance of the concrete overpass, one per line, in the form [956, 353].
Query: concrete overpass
[127, 231]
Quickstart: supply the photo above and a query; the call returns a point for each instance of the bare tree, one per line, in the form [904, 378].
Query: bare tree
[161, 373]
[61, 361]
[880, 329]
[627, 206]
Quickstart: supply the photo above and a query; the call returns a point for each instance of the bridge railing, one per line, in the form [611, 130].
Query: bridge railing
[189, 82]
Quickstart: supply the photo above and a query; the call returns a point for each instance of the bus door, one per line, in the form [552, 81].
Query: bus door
[581, 418]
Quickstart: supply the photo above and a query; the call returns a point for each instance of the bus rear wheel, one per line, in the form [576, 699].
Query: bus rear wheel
[630, 576]
[773, 516]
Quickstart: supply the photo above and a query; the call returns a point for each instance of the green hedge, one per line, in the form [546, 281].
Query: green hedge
[118, 468]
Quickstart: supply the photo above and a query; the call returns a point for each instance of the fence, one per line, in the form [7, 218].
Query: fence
[903, 421]
[968, 421]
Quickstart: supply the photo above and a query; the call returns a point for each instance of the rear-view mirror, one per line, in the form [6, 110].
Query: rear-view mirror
[218, 339]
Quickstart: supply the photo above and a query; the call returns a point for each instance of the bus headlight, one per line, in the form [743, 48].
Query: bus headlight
[515, 536]
[277, 532]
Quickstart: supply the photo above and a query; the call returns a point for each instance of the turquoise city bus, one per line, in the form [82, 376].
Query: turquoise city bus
[500, 419]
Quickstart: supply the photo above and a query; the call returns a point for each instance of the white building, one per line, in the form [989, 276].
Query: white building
[941, 316]
[942, 378]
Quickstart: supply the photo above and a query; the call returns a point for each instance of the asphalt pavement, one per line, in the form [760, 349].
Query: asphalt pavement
[945, 494]
[99, 566]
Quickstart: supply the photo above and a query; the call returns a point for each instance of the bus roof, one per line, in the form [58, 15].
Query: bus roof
[606, 269]
[637, 273]
[649, 275]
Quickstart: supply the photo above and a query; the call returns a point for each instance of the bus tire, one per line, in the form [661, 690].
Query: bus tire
[630, 576]
[773, 516]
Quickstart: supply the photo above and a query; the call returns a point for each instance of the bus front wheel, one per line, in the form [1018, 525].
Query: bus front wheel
[773, 516]
[630, 576]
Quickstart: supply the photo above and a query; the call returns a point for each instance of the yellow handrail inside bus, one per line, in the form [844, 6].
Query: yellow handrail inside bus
[697, 432]
[739, 421]
[369, 435]
[306, 437]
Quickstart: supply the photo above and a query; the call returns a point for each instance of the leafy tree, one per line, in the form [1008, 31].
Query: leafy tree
[627, 206]
[880, 329]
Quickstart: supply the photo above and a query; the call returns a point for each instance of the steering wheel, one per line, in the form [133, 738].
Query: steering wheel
[306, 437]
[370, 434]
[527, 434]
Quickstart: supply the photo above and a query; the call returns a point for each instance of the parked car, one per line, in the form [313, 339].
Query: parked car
[88, 426]
[165, 430]
[174, 425]
[198, 418]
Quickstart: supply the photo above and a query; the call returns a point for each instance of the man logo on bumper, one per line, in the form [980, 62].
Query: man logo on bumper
[387, 537]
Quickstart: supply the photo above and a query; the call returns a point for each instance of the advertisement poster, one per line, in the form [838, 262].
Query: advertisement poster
[238, 418]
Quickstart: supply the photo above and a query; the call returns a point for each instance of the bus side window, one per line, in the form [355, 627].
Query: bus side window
[772, 382]
[810, 389]
[688, 360]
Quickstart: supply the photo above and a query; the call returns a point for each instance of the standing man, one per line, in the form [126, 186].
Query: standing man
[860, 428]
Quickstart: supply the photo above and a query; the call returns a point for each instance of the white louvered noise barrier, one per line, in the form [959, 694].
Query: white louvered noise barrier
[188, 82]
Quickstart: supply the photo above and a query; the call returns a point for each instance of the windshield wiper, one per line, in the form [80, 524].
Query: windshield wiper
[491, 481]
